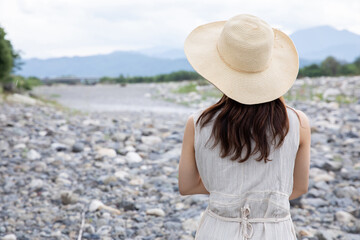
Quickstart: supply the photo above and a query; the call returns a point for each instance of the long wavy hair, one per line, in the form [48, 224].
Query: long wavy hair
[237, 124]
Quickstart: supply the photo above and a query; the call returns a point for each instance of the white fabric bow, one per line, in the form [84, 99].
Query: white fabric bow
[245, 224]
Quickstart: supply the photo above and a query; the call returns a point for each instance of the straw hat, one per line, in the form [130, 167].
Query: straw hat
[244, 58]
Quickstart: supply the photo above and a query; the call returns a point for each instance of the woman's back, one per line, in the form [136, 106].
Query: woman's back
[253, 189]
[253, 65]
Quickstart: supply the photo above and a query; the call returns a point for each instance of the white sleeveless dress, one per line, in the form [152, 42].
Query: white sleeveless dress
[247, 200]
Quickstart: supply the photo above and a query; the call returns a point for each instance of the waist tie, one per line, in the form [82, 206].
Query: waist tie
[245, 221]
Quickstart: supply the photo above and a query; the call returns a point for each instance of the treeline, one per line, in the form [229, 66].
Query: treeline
[331, 67]
[170, 77]
[10, 61]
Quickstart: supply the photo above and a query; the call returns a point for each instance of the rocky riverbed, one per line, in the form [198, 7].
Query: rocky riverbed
[67, 174]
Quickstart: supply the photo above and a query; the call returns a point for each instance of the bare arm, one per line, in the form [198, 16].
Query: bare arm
[302, 161]
[189, 179]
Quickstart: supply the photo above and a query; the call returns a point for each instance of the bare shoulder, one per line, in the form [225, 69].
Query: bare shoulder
[305, 128]
[304, 119]
[190, 124]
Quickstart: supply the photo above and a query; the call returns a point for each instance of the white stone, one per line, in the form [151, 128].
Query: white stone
[168, 170]
[95, 205]
[130, 149]
[40, 167]
[136, 181]
[121, 174]
[319, 175]
[119, 160]
[63, 175]
[64, 128]
[344, 217]
[156, 212]
[88, 122]
[179, 206]
[36, 183]
[151, 140]
[9, 237]
[42, 133]
[107, 152]
[33, 155]
[19, 146]
[106, 215]
[63, 181]
[56, 234]
[57, 146]
[133, 157]
[190, 225]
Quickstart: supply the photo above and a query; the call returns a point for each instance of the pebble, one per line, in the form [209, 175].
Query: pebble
[68, 197]
[151, 140]
[156, 212]
[78, 147]
[9, 237]
[344, 217]
[33, 155]
[133, 157]
[107, 152]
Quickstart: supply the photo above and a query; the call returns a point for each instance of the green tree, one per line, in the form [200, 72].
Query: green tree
[10, 61]
[6, 57]
[357, 64]
[348, 69]
[311, 71]
[330, 66]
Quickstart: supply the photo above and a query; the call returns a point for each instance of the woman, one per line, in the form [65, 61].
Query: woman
[250, 151]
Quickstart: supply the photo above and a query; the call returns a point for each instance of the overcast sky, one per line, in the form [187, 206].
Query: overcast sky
[53, 28]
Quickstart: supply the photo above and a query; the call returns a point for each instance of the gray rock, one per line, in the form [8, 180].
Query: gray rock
[318, 138]
[173, 226]
[344, 217]
[332, 166]
[59, 146]
[68, 197]
[347, 192]
[315, 202]
[77, 147]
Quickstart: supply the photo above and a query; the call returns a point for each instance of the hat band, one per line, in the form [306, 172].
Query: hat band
[240, 69]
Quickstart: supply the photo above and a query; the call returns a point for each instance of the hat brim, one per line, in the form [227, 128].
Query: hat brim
[245, 87]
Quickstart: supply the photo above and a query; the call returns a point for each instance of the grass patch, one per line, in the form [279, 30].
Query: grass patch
[344, 99]
[190, 87]
[212, 94]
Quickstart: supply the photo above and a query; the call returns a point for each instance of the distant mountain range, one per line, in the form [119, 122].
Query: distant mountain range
[313, 45]
[112, 65]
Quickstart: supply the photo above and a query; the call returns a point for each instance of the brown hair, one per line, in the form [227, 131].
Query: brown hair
[237, 123]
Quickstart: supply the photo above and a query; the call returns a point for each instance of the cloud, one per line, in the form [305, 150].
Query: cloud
[43, 28]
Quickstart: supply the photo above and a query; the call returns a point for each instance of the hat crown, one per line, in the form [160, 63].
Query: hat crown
[246, 43]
